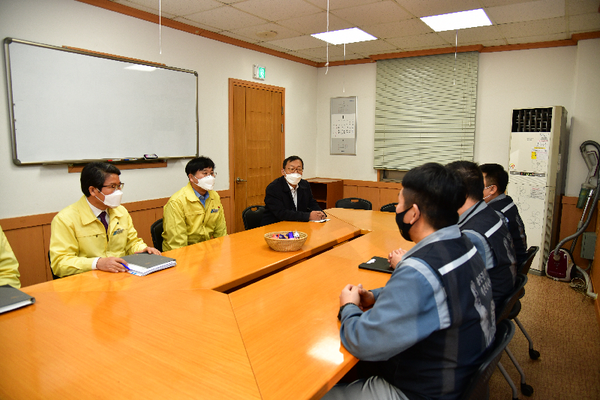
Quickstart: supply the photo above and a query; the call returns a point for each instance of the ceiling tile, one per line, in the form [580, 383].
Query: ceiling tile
[239, 37]
[337, 4]
[196, 24]
[538, 38]
[272, 47]
[533, 28]
[373, 14]
[408, 27]
[584, 23]
[315, 23]
[427, 41]
[152, 9]
[472, 35]
[372, 47]
[536, 10]
[251, 31]
[277, 10]
[299, 43]
[577, 7]
[495, 3]
[226, 18]
[435, 7]
[336, 53]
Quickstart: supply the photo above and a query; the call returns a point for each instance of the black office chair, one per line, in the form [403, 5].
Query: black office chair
[354, 202]
[252, 216]
[507, 313]
[156, 230]
[391, 207]
[50, 264]
[478, 388]
[524, 269]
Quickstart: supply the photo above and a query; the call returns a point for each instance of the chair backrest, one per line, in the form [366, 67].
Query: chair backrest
[391, 207]
[506, 307]
[50, 264]
[354, 202]
[478, 388]
[531, 252]
[252, 216]
[156, 230]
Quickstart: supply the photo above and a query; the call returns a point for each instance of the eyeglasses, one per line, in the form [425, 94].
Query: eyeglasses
[206, 173]
[115, 186]
[487, 187]
[294, 170]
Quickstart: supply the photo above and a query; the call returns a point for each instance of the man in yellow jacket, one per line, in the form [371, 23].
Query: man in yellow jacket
[194, 213]
[9, 267]
[96, 231]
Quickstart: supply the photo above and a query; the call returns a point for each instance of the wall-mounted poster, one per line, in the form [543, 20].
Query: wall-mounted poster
[343, 125]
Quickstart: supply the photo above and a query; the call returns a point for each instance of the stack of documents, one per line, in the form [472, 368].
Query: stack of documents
[145, 263]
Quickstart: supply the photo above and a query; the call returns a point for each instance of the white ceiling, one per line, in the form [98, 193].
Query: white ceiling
[286, 25]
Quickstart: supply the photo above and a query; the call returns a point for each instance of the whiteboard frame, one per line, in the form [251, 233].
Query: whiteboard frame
[11, 104]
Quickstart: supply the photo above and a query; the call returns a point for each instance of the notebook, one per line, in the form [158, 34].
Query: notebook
[142, 264]
[12, 298]
[377, 264]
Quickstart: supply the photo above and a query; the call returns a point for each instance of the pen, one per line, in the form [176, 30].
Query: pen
[125, 266]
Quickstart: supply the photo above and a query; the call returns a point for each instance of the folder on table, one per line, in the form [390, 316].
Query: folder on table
[377, 264]
[12, 298]
[142, 264]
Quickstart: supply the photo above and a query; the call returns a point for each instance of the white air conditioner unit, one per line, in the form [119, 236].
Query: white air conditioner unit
[539, 143]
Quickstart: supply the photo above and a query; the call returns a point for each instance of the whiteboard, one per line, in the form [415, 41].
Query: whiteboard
[69, 106]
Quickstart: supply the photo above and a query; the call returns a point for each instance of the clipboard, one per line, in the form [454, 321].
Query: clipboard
[380, 264]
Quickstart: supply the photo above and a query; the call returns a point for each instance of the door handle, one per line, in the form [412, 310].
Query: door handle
[240, 180]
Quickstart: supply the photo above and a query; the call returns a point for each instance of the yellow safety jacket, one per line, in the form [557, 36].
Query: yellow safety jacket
[78, 237]
[186, 221]
[9, 266]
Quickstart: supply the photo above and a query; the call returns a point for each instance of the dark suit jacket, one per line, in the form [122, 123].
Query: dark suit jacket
[280, 204]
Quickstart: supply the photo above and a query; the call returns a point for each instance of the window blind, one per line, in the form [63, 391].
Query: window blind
[425, 110]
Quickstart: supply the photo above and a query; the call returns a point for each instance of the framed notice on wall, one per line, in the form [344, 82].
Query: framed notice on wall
[343, 125]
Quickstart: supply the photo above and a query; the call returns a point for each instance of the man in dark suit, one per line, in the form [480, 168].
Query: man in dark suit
[289, 198]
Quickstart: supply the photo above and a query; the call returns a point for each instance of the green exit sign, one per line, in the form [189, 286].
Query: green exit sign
[259, 72]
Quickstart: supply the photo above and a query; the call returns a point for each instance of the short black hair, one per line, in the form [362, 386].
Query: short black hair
[495, 175]
[94, 174]
[437, 191]
[471, 176]
[292, 159]
[198, 164]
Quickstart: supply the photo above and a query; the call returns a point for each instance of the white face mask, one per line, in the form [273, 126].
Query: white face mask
[112, 200]
[293, 179]
[206, 183]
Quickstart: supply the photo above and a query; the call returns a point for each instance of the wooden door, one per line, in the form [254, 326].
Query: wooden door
[256, 142]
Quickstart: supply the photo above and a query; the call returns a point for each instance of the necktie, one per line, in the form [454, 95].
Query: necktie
[102, 218]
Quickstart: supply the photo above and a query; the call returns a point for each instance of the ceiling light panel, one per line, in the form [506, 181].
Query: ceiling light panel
[457, 20]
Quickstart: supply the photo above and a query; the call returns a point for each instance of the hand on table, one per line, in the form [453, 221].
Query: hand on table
[111, 264]
[357, 295]
[317, 215]
[150, 250]
[395, 257]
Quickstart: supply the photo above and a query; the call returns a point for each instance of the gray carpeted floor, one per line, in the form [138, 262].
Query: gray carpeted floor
[564, 329]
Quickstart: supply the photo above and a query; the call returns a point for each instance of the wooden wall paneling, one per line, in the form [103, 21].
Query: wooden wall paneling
[388, 195]
[350, 191]
[46, 230]
[28, 246]
[142, 221]
[371, 194]
[569, 218]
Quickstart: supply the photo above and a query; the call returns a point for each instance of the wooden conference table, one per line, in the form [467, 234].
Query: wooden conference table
[174, 334]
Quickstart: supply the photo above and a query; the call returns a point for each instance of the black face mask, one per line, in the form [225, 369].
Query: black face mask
[403, 226]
